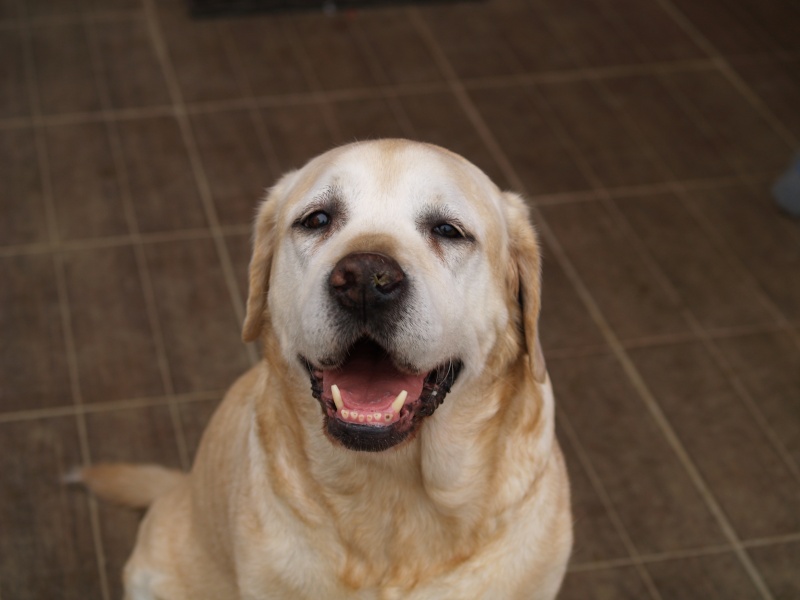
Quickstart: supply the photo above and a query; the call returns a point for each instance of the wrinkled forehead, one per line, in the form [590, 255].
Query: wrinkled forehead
[401, 176]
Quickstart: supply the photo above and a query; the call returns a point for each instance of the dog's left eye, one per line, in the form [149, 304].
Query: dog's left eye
[447, 230]
[316, 220]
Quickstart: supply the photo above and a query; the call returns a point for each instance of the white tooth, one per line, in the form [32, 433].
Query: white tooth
[345, 413]
[360, 418]
[377, 416]
[399, 401]
[388, 417]
[337, 397]
[369, 418]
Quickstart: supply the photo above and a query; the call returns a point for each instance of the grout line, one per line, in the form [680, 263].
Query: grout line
[200, 176]
[627, 364]
[71, 19]
[600, 565]
[148, 292]
[616, 521]
[160, 237]
[109, 406]
[669, 339]
[62, 291]
[318, 96]
[644, 559]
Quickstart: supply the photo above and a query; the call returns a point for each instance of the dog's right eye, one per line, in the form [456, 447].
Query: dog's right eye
[316, 220]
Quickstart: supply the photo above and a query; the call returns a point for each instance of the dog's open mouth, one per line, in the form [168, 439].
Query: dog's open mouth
[369, 404]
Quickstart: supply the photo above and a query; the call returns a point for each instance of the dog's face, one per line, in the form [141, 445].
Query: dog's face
[392, 272]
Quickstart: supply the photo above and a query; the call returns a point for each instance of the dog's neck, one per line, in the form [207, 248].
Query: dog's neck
[443, 487]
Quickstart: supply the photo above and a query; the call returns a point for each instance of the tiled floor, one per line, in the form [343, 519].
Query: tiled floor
[135, 142]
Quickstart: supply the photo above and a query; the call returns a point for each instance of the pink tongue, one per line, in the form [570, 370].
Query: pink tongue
[369, 380]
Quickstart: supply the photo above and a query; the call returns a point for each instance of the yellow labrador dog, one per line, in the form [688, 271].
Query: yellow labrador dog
[397, 440]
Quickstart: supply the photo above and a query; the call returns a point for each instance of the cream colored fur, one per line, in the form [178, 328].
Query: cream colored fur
[474, 506]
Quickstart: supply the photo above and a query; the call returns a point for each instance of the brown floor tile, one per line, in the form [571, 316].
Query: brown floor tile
[33, 364]
[591, 34]
[298, 133]
[143, 435]
[778, 565]
[52, 8]
[666, 127]
[201, 332]
[651, 33]
[397, 46]
[130, 67]
[477, 39]
[646, 484]
[748, 478]
[437, 118]
[344, 66]
[66, 77]
[609, 584]
[624, 288]
[113, 340]
[766, 241]
[768, 365]
[744, 137]
[776, 83]
[47, 543]
[24, 217]
[203, 64]
[266, 55]
[596, 538]
[614, 155]
[235, 163]
[13, 85]
[564, 321]
[521, 127]
[9, 9]
[745, 27]
[195, 417]
[85, 188]
[715, 289]
[240, 248]
[98, 7]
[367, 120]
[163, 189]
[715, 577]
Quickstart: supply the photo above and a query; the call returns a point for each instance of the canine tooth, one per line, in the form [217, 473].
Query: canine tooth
[337, 397]
[399, 401]
[345, 413]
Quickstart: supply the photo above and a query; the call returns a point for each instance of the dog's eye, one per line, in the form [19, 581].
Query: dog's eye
[316, 220]
[447, 230]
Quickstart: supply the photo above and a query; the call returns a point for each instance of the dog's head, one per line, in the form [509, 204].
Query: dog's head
[392, 271]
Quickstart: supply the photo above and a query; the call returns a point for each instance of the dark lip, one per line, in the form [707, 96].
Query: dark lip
[376, 438]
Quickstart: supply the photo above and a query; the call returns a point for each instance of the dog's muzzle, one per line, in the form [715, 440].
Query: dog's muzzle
[370, 400]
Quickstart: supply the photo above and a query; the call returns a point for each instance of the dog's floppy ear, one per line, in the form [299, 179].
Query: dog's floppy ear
[525, 278]
[261, 260]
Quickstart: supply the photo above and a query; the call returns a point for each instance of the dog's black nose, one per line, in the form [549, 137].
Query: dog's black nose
[365, 280]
